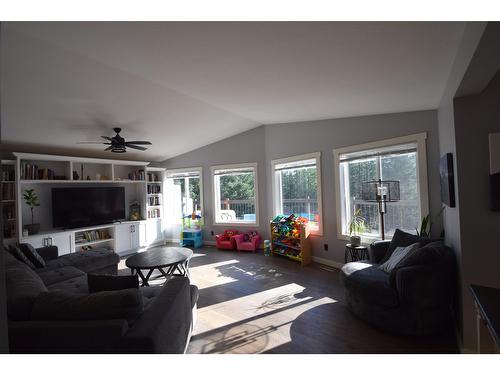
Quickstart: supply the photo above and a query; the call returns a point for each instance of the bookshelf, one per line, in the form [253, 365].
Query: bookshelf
[154, 187]
[290, 239]
[8, 200]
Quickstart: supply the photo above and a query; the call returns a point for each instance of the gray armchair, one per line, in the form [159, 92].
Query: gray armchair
[414, 299]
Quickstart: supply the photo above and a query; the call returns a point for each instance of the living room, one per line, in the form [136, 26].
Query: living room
[249, 187]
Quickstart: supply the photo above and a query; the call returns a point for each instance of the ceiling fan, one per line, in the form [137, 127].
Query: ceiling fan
[118, 143]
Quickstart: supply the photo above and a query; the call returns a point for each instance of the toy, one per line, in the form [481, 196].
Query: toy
[226, 240]
[192, 221]
[267, 248]
[249, 241]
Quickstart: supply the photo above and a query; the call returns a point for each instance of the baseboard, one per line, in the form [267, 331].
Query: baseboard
[328, 262]
[176, 240]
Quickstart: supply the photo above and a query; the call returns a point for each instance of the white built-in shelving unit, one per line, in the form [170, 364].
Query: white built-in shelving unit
[43, 172]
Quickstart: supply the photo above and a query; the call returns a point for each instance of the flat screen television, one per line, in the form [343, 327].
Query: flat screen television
[87, 206]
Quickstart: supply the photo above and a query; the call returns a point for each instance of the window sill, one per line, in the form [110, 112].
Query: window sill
[237, 224]
[364, 240]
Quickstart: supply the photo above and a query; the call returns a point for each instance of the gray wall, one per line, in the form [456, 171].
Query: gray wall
[282, 140]
[446, 125]
[475, 117]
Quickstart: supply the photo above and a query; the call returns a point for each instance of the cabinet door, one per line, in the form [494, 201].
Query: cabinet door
[134, 236]
[142, 235]
[122, 238]
[63, 241]
[35, 241]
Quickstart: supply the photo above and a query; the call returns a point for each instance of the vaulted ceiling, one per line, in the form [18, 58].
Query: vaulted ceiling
[183, 85]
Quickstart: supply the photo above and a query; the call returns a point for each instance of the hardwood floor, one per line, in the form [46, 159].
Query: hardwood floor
[250, 303]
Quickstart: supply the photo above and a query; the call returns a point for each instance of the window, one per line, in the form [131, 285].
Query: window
[297, 188]
[402, 159]
[184, 194]
[235, 194]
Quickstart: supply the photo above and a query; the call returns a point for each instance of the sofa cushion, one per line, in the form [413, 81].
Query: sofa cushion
[433, 252]
[75, 285]
[403, 239]
[99, 283]
[397, 256]
[53, 276]
[19, 255]
[33, 256]
[87, 261]
[63, 305]
[370, 283]
[23, 286]
[149, 294]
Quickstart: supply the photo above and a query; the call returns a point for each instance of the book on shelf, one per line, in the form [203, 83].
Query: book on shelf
[8, 192]
[137, 175]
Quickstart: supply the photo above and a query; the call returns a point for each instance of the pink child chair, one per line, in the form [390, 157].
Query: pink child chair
[249, 241]
[226, 240]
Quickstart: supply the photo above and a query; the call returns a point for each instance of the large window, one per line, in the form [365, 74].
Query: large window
[297, 188]
[235, 194]
[184, 194]
[401, 159]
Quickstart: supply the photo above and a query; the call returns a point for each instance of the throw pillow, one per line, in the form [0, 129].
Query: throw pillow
[33, 256]
[64, 305]
[397, 256]
[18, 254]
[99, 283]
[430, 253]
[403, 239]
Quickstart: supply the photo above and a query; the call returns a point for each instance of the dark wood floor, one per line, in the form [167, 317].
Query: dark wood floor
[250, 303]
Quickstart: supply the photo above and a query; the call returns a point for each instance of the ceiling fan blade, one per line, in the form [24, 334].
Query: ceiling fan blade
[108, 148]
[136, 147]
[89, 143]
[106, 138]
[138, 142]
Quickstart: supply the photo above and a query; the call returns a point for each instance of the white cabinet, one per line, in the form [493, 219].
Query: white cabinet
[127, 237]
[63, 241]
[142, 235]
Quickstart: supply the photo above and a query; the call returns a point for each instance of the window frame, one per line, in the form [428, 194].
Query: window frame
[276, 190]
[170, 172]
[419, 139]
[254, 166]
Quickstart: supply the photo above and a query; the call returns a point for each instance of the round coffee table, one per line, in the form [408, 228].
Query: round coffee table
[170, 261]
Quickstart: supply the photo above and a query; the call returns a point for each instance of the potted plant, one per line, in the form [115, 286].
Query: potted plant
[426, 225]
[356, 226]
[31, 200]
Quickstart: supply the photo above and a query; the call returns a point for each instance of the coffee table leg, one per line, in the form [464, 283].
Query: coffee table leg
[144, 279]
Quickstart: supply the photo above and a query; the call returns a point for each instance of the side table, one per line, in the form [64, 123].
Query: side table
[356, 253]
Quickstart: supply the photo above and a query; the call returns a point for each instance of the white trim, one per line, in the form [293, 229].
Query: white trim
[254, 166]
[178, 170]
[276, 197]
[47, 157]
[419, 138]
[328, 262]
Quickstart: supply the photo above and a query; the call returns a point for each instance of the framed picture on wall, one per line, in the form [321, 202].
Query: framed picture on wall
[447, 180]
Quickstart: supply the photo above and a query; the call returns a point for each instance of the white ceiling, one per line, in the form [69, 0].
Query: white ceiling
[245, 73]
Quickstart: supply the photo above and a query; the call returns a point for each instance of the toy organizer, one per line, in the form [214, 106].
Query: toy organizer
[290, 238]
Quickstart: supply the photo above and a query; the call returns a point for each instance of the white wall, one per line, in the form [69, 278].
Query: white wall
[281, 140]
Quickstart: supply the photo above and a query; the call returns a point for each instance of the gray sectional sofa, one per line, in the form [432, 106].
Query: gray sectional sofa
[50, 309]
[413, 299]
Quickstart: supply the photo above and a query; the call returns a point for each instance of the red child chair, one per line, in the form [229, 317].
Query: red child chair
[249, 241]
[226, 240]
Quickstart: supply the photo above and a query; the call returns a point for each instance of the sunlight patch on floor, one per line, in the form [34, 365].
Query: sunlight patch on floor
[209, 275]
[254, 323]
